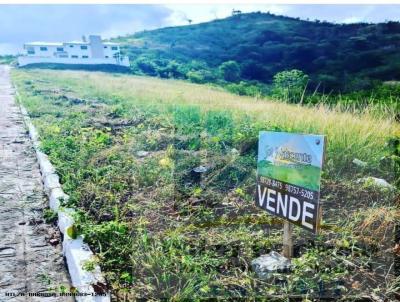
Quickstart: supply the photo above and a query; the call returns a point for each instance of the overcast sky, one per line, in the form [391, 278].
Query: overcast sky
[23, 23]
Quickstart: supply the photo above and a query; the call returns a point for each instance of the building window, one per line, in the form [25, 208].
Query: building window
[42, 48]
[74, 56]
[60, 49]
[85, 57]
[114, 48]
[83, 47]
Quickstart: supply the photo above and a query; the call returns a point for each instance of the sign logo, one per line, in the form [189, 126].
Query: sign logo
[288, 176]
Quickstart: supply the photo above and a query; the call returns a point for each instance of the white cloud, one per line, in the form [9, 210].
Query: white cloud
[351, 20]
[121, 28]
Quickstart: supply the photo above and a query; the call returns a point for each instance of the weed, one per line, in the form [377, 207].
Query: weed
[50, 216]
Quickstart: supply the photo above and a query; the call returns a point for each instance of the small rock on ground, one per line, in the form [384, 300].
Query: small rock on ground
[266, 265]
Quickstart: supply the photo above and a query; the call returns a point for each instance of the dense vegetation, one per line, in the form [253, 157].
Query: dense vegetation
[126, 148]
[244, 53]
[7, 59]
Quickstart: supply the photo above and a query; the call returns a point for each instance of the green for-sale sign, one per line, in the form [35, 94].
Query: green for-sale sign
[288, 176]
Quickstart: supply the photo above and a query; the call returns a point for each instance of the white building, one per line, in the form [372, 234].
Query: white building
[91, 52]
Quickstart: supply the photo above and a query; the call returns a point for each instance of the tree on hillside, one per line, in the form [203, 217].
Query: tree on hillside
[230, 71]
[290, 85]
[252, 70]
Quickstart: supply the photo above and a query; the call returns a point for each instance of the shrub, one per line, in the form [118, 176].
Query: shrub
[245, 88]
[200, 76]
[289, 85]
[230, 71]
[145, 66]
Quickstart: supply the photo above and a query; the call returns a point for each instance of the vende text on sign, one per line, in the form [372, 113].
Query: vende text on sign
[289, 172]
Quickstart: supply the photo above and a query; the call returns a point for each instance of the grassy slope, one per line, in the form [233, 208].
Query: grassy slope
[349, 136]
[163, 233]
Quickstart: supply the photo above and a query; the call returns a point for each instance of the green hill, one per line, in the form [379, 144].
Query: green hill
[343, 57]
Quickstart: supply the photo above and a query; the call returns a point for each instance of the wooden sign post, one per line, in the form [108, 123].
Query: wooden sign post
[288, 180]
[287, 240]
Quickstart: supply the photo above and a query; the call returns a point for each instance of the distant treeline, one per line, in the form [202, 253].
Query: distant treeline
[7, 59]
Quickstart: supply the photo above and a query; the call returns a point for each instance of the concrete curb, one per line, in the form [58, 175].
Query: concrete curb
[76, 252]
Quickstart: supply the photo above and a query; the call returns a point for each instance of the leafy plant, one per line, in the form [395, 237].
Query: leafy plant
[50, 216]
[230, 71]
[290, 85]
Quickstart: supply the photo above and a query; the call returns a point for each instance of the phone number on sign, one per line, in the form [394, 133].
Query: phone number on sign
[299, 191]
[271, 183]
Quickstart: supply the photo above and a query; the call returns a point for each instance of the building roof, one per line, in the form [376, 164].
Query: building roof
[44, 43]
[39, 43]
[77, 42]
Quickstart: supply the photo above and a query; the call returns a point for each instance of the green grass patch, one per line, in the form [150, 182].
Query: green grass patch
[306, 176]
